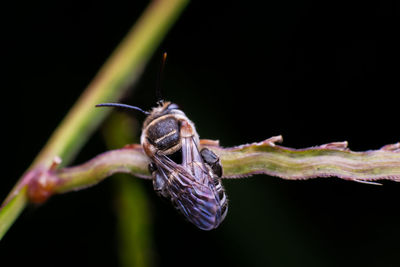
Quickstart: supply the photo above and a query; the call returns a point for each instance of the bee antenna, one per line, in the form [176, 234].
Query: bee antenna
[160, 99]
[119, 105]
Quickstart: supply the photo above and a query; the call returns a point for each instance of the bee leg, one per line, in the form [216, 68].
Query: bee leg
[212, 160]
[152, 167]
[158, 181]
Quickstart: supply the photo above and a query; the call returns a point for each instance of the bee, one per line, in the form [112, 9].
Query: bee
[189, 177]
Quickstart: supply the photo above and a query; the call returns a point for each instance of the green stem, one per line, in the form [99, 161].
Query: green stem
[11, 211]
[125, 160]
[121, 69]
[329, 160]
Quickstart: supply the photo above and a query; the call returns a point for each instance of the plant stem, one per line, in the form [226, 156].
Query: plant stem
[122, 69]
[329, 160]
[11, 211]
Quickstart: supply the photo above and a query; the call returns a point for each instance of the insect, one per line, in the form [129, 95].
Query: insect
[189, 177]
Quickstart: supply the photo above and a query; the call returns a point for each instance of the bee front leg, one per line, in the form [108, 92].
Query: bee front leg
[212, 160]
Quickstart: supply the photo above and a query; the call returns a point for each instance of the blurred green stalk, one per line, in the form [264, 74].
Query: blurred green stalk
[119, 72]
[134, 224]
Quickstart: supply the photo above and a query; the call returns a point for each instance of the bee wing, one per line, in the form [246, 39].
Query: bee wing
[193, 162]
[178, 176]
[190, 187]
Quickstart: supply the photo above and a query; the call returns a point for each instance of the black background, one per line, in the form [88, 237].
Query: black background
[313, 72]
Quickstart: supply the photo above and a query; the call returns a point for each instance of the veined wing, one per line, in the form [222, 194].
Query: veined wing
[193, 162]
[191, 189]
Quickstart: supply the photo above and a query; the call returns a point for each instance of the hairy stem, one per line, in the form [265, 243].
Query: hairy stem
[329, 160]
[125, 160]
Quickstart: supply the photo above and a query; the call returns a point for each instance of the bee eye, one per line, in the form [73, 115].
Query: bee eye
[173, 106]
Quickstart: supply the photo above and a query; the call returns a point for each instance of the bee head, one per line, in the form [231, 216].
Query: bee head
[162, 109]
